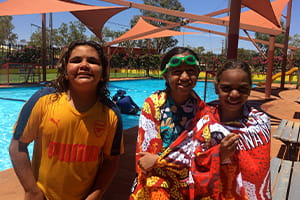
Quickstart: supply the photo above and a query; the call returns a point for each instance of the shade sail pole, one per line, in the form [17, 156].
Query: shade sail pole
[270, 67]
[286, 44]
[44, 46]
[234, 28]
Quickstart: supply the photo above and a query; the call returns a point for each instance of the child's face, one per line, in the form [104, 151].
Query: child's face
[183, 78]
[233, 90]
[84, 67]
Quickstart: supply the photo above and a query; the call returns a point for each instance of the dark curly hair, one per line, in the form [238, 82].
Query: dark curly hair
[61, 83]
[233, 64]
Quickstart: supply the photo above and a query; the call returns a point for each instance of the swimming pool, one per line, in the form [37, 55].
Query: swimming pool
[137, 89]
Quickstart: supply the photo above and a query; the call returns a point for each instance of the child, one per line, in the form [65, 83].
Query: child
[125, 103]
[165, 115]
[76, 130]
[245, 173]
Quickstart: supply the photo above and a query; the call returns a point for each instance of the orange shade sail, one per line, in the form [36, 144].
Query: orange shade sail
[257, 21]
[142, 28]
[253, 18]
[264, 8]
[95, 19]
[22, 7]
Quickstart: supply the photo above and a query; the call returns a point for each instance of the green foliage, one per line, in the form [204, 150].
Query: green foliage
[109, 35]
[36, 38]
[62, 36]
[295, 41]
[6, 27]
[197, 50]
[151, 61]
[278, 39]
[25, 55]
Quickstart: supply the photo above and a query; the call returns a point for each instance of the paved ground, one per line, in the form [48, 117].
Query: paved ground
[281, 105]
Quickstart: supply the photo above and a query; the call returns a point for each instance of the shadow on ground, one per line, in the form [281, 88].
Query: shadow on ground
[121, 184]
[274, 91]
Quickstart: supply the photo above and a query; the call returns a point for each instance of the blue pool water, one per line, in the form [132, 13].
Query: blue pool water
[137, 89]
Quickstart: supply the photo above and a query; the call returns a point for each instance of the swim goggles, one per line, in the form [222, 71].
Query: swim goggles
[176, 61]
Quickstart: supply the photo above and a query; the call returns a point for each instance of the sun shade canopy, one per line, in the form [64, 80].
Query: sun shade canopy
[95, 19]
[142, 28]
[251, 17]
[21, 7]
[264, 8]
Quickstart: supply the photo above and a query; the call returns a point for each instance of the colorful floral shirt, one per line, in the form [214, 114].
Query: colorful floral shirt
[175, 119]
[160, 118]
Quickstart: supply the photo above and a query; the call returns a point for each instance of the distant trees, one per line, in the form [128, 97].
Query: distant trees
[264, 47]
[6, 27]
[107, 35]
[197, 50]
[295, 41]
[62, 36]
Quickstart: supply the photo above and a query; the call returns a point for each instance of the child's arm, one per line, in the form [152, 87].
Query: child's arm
[147, 160]
[104, 177]
[19, 156]
[228, 146]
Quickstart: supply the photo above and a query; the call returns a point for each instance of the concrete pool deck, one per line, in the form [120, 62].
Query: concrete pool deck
[281, 105]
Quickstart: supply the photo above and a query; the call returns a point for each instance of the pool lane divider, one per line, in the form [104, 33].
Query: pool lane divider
[10, 99]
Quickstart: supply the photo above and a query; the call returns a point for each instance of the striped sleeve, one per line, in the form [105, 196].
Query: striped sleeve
[26, 111]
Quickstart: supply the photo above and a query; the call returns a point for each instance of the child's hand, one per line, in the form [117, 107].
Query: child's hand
[147, 160]
[228, 146]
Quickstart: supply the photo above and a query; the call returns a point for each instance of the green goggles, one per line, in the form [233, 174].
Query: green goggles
[176, 61]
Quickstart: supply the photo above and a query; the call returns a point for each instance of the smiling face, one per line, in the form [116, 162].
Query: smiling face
[84, 68]
[233, 89]
[181, 79]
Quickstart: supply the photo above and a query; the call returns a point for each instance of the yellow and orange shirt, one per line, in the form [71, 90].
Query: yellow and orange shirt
[69, 145]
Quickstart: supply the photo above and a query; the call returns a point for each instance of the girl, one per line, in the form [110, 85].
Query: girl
[76, 129]
[165, 115]
[245, 165]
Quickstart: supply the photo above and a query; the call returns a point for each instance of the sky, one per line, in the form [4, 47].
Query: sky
[25, 25]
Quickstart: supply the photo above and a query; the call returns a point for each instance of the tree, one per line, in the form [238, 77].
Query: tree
[107, 35]
[246, 54]
[68, 33]
[160, 44]
[197, 50]
[295, 41]
[278, 39]
[36, 38]
[62, 36]
[6, 27]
